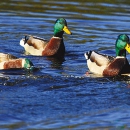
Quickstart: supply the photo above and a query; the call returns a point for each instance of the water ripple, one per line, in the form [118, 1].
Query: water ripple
[60, 95]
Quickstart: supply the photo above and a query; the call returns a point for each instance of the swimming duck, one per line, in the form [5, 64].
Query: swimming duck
[54, 47]
[108, 65]
[8, 61]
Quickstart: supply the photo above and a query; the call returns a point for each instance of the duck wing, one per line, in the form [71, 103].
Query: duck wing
[34, 41]
[6, 57]
[99, 59]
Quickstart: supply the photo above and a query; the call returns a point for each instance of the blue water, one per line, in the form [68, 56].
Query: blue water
[59, 95]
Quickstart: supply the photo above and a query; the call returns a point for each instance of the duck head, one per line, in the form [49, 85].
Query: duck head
[60, 27]
[122, 45]
[28, 64]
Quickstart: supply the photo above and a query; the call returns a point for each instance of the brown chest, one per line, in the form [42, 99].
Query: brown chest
[13, 64]
[52, 47]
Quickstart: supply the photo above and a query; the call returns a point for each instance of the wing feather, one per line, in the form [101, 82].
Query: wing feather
[100, 59]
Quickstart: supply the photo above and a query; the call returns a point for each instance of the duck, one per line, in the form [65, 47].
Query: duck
[9, 61]
[41, 47]
[106, 65]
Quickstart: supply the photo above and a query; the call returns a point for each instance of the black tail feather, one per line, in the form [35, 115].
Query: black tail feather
[26, 39]
[88, 54]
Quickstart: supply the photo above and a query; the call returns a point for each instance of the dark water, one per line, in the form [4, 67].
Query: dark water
[59, 95]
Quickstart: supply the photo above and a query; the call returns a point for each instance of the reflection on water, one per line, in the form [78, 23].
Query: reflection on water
[58, 94]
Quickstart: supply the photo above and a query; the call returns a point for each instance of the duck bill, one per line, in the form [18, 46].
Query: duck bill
[65, 29]
[128, 48]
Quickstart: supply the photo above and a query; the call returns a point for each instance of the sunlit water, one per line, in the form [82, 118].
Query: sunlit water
[58, 95]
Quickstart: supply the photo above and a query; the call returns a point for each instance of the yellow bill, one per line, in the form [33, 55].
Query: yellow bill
[128, 47]
[65, 29]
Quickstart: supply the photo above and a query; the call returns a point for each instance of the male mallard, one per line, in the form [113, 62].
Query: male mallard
[41, 47]
[107, 65]
[8, 61]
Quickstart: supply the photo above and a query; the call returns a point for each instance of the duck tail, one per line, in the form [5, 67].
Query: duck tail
[87, 54]
[24, 40]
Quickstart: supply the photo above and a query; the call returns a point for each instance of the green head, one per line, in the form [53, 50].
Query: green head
[60, 27]
[28, 64]
[122, 44]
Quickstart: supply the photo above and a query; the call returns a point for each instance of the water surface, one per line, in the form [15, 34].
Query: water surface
[59, 95]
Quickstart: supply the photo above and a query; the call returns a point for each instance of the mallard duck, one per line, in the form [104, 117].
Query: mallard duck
[8, 61]
[108, 65]
[54, 47]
